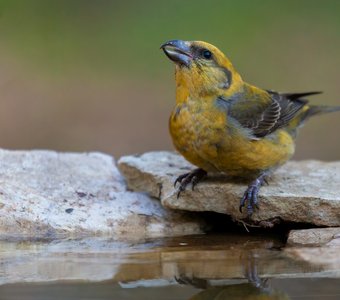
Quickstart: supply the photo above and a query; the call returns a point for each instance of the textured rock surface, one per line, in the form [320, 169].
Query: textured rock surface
[305, 191]
[44, 194]
[314, 236]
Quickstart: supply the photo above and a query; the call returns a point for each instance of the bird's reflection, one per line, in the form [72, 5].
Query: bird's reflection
[255, 288]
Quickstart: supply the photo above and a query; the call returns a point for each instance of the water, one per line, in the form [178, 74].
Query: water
[203, 267]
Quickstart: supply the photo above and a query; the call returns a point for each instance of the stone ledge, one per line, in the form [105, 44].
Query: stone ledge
[300, 191]
[315, 237]
[45, 194]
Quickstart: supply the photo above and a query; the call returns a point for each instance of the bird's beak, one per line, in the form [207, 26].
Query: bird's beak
[178, 51]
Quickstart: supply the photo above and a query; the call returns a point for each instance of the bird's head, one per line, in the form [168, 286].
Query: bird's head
[201, 68]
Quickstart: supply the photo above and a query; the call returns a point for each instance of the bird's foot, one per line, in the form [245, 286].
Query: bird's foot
[251, 194]
[193, 177]
[251, 272]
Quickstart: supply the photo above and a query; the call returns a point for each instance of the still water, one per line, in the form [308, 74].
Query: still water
[202, 267]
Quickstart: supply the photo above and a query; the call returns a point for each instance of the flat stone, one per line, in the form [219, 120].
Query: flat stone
[314, 236]
[300, 191]
[45, 194]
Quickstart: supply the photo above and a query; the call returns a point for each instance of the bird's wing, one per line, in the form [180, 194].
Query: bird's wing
[264, 113]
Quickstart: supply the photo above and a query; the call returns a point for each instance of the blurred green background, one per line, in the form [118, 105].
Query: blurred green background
[89, 75]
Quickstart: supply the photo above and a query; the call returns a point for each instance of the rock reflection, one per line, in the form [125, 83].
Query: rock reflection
[211, 258]
[219, 260]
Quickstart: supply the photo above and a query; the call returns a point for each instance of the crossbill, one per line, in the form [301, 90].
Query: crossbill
[222, 124]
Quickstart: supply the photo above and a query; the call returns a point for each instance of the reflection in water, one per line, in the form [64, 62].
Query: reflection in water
[245, 291]
[196, 267]
[255, 289]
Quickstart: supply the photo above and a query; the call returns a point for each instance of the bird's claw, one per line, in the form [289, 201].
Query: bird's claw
[180, 178]
[251, 195]
[192, 177]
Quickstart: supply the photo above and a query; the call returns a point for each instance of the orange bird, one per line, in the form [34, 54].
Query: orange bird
[222, 124]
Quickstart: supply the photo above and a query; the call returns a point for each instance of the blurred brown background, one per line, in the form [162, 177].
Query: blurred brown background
[89, 75]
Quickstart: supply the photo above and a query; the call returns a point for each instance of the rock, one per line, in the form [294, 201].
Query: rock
[327, 257]
[45, 194]
[300, 191]
[314, 237]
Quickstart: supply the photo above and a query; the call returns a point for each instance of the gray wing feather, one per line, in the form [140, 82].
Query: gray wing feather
[264, 118]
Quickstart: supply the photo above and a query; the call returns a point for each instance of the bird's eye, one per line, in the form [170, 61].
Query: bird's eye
[207, 54]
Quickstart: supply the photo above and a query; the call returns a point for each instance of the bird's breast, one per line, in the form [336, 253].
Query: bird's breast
[198, 131]
[207, 138]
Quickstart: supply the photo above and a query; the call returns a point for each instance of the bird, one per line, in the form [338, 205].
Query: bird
[222, 124]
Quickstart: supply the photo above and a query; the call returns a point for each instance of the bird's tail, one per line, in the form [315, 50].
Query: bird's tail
[313, 110]
[309, 111]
